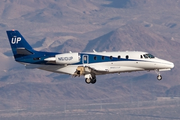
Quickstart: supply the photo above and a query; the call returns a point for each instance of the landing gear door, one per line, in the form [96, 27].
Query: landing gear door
[85, 59]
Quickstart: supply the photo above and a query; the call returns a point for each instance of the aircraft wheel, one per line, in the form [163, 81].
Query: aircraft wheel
[93, 81]
[88, 80]
[159, 77]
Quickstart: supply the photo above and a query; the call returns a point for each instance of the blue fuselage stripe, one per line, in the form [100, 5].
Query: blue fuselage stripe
[92, 58]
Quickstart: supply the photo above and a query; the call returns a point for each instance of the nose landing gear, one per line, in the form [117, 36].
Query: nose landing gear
[159, 77]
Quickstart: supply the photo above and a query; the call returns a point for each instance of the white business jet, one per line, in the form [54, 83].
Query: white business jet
[87, 64]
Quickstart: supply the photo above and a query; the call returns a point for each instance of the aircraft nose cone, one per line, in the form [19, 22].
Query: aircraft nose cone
[168, 64]
[171, 65]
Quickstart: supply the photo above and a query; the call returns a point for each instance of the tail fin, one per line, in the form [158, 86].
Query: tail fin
[19, 45]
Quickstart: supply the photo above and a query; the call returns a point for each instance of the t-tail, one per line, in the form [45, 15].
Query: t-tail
[19, 45]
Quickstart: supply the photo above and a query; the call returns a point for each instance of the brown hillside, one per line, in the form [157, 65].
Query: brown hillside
[133, 37]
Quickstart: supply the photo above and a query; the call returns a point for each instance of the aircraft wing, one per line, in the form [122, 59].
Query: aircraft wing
[82, 70]
[98, 69]
[32, 66]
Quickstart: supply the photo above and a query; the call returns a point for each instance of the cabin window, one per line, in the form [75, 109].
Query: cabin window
[141, 56]
[103, 57]
[36, 58]
[127, 57]
[119, 57]
[95, 58]
[111, 57]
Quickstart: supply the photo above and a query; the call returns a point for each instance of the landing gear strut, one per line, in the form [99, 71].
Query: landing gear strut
[89, 78]
[159, 77]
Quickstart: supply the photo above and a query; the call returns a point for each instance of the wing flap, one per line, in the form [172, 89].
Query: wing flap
[82, 70]
[32, 66]
[99, 69]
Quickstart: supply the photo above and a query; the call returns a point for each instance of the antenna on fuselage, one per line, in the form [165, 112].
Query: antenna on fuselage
[94, 51]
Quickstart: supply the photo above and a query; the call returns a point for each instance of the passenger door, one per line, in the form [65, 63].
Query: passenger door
[85, 59]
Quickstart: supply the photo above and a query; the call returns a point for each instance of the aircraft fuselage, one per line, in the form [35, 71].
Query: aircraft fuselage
[87, 64]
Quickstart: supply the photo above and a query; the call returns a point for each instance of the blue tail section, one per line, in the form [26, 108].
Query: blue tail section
[23, 52]
[19, 45]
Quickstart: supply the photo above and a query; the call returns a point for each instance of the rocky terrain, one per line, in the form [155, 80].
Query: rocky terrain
[84, 25]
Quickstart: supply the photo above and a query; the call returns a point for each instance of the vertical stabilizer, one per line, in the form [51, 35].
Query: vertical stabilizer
[19, 45]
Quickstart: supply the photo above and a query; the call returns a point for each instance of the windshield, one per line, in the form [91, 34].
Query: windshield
[148, 56]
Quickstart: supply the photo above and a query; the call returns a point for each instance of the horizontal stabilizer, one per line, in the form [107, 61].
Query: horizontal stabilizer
[23, 51]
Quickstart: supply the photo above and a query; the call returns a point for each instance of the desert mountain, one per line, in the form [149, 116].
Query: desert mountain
[69, 45]
[76, 25]
[126, 3]
[147, 4]
[173, 91]
[134, 37]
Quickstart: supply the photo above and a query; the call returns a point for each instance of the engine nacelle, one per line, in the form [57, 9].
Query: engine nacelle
[67, 58]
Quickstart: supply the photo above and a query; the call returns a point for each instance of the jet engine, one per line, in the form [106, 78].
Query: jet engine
[67, 58]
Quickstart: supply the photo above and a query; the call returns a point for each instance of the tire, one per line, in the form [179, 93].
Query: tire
[88, 81]
[159, 77]
[93, 81]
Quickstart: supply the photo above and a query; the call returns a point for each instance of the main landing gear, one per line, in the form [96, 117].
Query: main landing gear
[88, 73]
[89, 78]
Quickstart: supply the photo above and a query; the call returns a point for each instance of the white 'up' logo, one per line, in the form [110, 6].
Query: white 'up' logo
[15, 40]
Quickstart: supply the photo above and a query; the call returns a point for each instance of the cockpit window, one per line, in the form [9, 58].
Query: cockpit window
[145, 56]
[148, 56]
